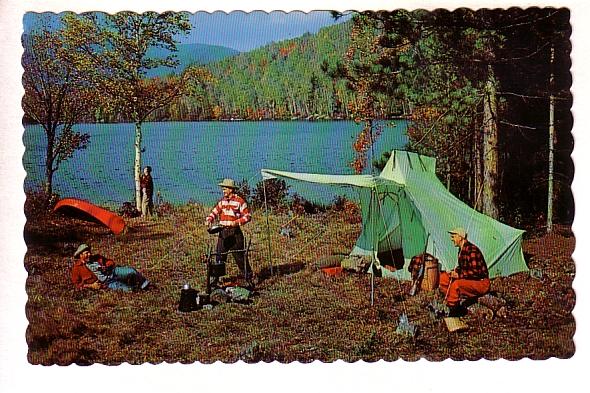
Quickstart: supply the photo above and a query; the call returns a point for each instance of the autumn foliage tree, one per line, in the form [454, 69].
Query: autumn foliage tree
[112, 52]
[56, 98]
[367, 67]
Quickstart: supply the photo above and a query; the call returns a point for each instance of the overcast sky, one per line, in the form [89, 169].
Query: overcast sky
[243, 31]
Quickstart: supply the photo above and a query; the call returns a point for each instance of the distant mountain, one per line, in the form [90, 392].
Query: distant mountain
[191, 54]
[186, 55]
[297, 78]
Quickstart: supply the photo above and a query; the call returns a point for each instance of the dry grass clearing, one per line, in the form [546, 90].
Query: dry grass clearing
[297, 314]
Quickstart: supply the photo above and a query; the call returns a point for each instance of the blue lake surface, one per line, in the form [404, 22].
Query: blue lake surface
[190, 158]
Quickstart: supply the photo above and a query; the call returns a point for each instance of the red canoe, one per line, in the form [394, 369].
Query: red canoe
[87, 210]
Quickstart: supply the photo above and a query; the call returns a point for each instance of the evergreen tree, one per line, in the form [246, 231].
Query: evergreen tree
[453, 70]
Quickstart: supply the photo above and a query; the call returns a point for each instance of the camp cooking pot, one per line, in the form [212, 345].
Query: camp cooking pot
[215, 229]
[218, 269]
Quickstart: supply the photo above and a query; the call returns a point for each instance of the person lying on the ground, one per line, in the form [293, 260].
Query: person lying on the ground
[98, 272]
[469, 280]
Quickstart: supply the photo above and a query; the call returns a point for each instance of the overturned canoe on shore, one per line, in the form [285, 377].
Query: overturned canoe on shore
[86, 210]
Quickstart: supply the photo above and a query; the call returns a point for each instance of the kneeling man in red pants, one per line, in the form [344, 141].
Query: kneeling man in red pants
[469, 279]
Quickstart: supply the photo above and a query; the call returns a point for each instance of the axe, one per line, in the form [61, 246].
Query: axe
[417, 280]
[420, 274]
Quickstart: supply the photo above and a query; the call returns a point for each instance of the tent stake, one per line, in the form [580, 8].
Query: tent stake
[267, 227]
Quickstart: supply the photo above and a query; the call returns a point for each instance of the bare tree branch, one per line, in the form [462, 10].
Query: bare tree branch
[517, 125]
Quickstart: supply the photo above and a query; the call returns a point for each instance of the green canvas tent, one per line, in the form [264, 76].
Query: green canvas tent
[406, 208]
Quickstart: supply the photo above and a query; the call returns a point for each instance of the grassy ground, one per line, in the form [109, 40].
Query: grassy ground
[298, 314]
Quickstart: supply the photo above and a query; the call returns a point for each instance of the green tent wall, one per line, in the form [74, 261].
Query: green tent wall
[407, 208]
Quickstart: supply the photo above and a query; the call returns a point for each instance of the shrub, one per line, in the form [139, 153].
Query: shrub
[128, 210]
[338, 203]
[276, 194]
[347, 208]
[163, 209]
[244, 190]
[301, 205]
[39, 203]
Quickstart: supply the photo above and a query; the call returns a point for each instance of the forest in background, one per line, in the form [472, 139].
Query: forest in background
[294, 79]
[486, 92]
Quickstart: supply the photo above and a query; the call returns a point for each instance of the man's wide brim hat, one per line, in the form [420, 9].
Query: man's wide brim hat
[83, 247]
[229, 183]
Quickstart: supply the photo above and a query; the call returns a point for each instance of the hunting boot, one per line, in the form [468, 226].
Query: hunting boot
[457, 311]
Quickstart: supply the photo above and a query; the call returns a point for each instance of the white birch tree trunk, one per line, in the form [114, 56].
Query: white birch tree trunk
[137, 164]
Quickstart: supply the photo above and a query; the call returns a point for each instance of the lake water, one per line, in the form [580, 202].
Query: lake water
[190, 158]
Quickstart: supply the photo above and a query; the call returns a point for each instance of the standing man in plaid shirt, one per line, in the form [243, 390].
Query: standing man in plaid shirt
[469, 280]
[232, 212]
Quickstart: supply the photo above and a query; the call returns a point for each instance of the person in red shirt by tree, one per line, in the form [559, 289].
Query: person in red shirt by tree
[232, 212]
[469, 280]
[146, 183]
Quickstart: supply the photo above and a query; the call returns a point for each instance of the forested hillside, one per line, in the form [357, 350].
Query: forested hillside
[189, 54]
[301, 78]
[291, 79]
